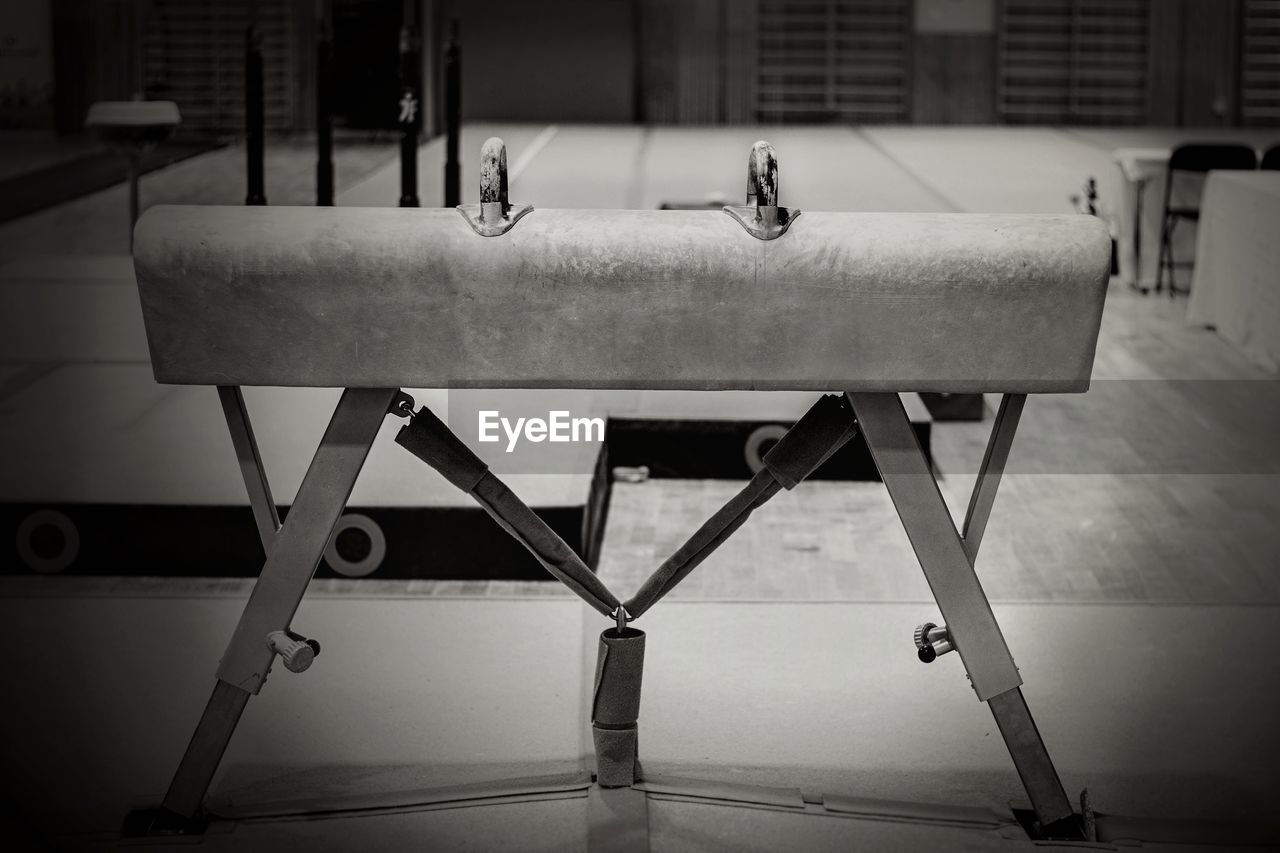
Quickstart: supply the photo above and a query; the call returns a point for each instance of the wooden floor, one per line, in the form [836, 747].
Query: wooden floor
[1054, 538]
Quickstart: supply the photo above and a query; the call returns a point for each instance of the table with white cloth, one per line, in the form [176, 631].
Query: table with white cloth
[1141, 213]
[1236, 284]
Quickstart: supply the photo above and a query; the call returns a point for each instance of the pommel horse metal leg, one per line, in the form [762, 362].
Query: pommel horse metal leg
[255, 476]
[293, 552]
[947, 561]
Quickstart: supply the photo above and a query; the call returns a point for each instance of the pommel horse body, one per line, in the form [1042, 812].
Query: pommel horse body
[499, 295]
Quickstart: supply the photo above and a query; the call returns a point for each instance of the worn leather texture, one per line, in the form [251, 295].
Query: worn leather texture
[635, 299]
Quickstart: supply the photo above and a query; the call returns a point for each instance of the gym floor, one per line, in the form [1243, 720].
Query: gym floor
[1132, 554]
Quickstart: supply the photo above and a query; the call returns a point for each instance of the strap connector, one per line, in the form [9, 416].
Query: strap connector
[428, 438]
[622, 616]
[401, 406]
[822, 431]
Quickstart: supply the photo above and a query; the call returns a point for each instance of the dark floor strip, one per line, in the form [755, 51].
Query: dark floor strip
[97, 170]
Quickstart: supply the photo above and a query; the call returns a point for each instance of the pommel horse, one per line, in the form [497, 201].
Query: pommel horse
[503, 295]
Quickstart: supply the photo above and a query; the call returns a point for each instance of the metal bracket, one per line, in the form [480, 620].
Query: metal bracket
[761, 216]
[494, 215]
[491, 219]
[402, 405]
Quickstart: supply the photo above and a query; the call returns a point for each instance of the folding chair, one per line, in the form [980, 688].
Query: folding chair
[1193, 158]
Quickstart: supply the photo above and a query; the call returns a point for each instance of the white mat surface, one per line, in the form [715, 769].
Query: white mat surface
[828, 698]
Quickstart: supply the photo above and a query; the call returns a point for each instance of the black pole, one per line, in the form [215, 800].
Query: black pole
[452, 118]
[410, 118]
[324, 109]
[133, 158]
[254, 119]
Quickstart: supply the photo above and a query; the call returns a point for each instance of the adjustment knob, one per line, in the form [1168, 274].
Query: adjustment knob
[931, 641]
[296, 651]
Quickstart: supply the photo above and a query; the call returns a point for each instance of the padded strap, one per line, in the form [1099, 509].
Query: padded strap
[822, 431]
[514, 516]
[704, 541]
[431, 440]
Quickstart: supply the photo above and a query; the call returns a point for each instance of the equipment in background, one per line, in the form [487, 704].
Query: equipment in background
[409, 115]
[324, 104]
[131, 128]
[254, 117]
[1091, 208]
[1192, 158]
[452, 117]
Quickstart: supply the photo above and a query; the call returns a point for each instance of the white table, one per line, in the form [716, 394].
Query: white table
[1236, 284]
[1139, 166]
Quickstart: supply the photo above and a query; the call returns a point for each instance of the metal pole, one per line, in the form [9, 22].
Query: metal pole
[255, 476]
[1035, 768]
[190, 783]
[410, 117]
[452, 118]
[948, 568]
[254, 119]
[133, 157]
[324, 106]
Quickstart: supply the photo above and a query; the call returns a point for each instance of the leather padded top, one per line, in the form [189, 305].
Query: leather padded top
[675, 299]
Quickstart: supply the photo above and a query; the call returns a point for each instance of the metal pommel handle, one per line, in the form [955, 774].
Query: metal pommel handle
[762, 216]
[762, 175]
[494, 202]
[495, 214]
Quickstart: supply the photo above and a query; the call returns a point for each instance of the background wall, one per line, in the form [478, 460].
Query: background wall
[553, 60]
[97, 55]
[954, 62]
[1210, 44]
[1114, 62]
[26, 65]
[697, 61]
